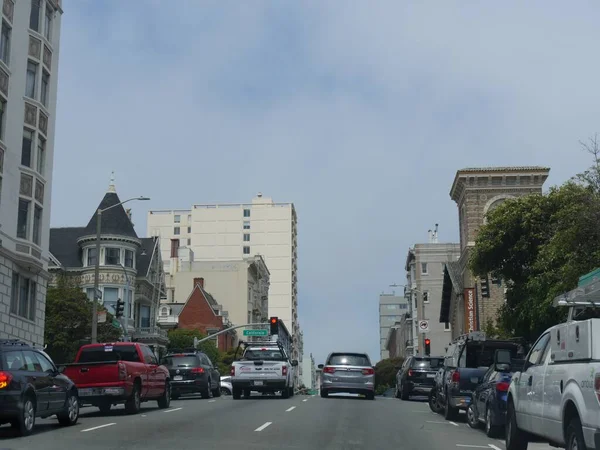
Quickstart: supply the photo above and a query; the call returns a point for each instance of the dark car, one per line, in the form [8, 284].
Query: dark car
[192, 372]
[31, 386]
[417, 375]
[488, 402]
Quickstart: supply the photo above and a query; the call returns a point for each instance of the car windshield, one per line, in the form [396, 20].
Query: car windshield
[181, 361]
[427, 363]
[266, 354]
[349, 359]
[106, 353]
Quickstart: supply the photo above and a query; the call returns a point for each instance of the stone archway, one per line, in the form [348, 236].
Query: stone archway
[493, 203]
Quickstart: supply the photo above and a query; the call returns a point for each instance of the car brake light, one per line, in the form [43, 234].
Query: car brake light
[329, 369]
[502, 386]
[122, 372]
[596, 385]
[410, 372]
[455, 376]
[5, 379]
[284, 370]
[368, 371]
[232, 371]
[197, 370]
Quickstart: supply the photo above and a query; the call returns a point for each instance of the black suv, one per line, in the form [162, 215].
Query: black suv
[192, 372]
[417, 375]
[31, 386]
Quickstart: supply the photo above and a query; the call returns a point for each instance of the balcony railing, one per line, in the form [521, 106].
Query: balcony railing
[150, 333]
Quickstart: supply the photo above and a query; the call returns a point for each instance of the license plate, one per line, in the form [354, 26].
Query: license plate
[431, 375]
[85, 392]
[258, 383]
[177, 378]
[467, 400]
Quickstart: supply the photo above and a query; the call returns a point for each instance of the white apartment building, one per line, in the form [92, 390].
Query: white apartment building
[224, 232]
[29, 50]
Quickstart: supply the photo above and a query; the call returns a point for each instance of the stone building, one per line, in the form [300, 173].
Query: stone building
[468, 303]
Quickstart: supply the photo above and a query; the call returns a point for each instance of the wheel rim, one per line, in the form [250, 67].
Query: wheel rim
[471, 415]
[573, 443]
[28, 415]
[137, 398]
[224, 391]
[509, 426]
[73, 408]
[488, 420]
[168, 392]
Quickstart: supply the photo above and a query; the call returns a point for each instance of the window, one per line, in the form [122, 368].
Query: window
[37, 225]
[2, 111]
[128, 258]
[23, 296]
[189, 218]
[534, 357]
[424, 268]
[426, 297]
[189, 241]
[246, 250]
[177, 218]
[31, 79]
[34, 15]
[189, 230]
[44, 91]
[23, 219]
[176, 230]
[130, 303]
[27, 147]
[246, 237]
[44, 363]
[246, 225]
[447, 326]
[41, 155]
[90, 293]
[112, 256]
[246, 213]
[91, 257]
[48, 22]
[5, 43]
[110, 297]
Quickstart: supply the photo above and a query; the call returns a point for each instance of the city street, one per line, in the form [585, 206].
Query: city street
[302, 422]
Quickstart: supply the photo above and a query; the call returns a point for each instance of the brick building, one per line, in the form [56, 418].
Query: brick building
[201, 312]
[468, 303]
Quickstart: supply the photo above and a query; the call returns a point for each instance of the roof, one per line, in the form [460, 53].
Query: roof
[144, 261]
[64, 247]
[114, 221]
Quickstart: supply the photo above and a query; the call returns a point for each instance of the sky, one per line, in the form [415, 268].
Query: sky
[358, 112]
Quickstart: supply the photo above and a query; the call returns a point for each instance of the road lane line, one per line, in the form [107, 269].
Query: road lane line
[453, 423]
[290, 409]
[98, 427]
[494, 447]
[305, 400]
[262, 427]
[174, 409]
[211, 401]
[442, 423]
[471, 446]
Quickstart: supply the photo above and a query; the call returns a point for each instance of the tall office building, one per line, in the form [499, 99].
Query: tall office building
[29, 44]
[391, 310]
[222, 232]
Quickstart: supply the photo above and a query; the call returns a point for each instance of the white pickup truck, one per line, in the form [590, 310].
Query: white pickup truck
[556, 397]
[263, 367]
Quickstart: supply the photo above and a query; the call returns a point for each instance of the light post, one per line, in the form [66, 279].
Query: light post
[127, 306]
[422, 305]
[97, 266]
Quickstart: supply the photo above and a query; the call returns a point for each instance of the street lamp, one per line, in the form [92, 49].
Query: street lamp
[97, 267]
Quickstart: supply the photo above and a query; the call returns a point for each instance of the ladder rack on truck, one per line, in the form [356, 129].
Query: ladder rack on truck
[586, 295]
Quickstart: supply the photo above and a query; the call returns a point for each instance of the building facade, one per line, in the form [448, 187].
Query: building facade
[469, 303]
[425, 265]
[29, 53]
[131, 268]
[391, 310]
[224, 232]
[308, 374]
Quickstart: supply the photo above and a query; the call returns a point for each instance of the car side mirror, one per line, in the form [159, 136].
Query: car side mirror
[61, 369]
[295, 362]
[500, 367]
[320, 366]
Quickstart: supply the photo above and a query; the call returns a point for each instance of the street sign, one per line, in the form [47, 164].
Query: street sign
[423, 326]
[116, 323]
[256, 333]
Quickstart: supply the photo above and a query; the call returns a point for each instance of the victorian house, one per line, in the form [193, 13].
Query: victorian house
[131, 268]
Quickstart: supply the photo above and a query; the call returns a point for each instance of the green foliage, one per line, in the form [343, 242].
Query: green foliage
[180, 339]
[226, 360]
[69, 321]
[385, 372]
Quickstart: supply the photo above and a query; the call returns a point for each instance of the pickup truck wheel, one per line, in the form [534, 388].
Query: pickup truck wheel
[165, 400]
[236, 394]
[134, 403]
[70, 415]
[574, 435]
[104, 407]
[324, 393]
[285, 393]
[450, 413]
[516, 439]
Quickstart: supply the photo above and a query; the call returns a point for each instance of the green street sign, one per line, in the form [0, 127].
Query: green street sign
[256, 333]
[116, 323]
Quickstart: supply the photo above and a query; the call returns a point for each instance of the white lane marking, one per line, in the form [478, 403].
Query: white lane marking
[305, 400]
[442, 423]
[421, 411]
[494, 447]
[471, 446]
[211, 401]
[290, 409]
[453, 423]
[174, 409]
[262, 427]
[98, 427]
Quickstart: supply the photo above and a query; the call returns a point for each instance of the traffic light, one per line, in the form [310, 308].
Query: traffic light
[119, 308]
[485, 287]
[274, 322]
[427, 347]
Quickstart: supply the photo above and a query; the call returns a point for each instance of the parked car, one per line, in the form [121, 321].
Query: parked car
[193, 372]
[25, 375]
[417, 376]
[226, 387]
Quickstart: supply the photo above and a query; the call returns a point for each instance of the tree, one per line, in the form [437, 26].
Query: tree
[69, 321]
[591, 177]
[385, 373]
[227, 359]
[180, 339]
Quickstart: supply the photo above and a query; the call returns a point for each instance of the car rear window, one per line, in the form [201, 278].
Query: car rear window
[108, 353]
[349, 359]
[181, 361]
[257, 354]
[427, 363]
[483, 356]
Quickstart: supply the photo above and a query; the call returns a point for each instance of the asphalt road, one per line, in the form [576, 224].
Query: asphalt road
[301, 422]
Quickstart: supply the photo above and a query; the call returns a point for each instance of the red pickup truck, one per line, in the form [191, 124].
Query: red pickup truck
[119, 372]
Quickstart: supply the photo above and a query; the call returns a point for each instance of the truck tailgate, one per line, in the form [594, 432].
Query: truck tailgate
[258, 369]
[93, 373]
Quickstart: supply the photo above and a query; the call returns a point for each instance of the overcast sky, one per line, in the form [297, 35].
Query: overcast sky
[358, 112]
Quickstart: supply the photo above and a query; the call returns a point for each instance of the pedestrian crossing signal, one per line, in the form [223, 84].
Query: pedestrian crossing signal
[274, 321]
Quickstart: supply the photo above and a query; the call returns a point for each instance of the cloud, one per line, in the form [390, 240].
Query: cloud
[359, 114]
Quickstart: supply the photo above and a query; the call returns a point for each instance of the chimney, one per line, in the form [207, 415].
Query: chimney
[199, 281]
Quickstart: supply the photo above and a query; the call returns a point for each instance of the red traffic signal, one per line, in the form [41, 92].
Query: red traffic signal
[273, 319]
[274, 325]
[427, 347]
[427, 341]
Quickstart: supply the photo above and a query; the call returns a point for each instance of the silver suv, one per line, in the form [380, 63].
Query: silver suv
[350, 373]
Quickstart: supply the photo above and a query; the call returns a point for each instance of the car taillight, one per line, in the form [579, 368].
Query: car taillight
[596, 385]
[284, 370]
[197, 370]
[502, 386]
[368, 371]
[329, 369]
[410, 372]
[122, 372]
[455, 376]
[5, 379]
[232, 371]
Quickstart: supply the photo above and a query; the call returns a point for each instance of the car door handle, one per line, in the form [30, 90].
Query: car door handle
[530, 380]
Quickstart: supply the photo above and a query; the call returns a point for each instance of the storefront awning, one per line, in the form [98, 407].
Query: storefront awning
[452, 282]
